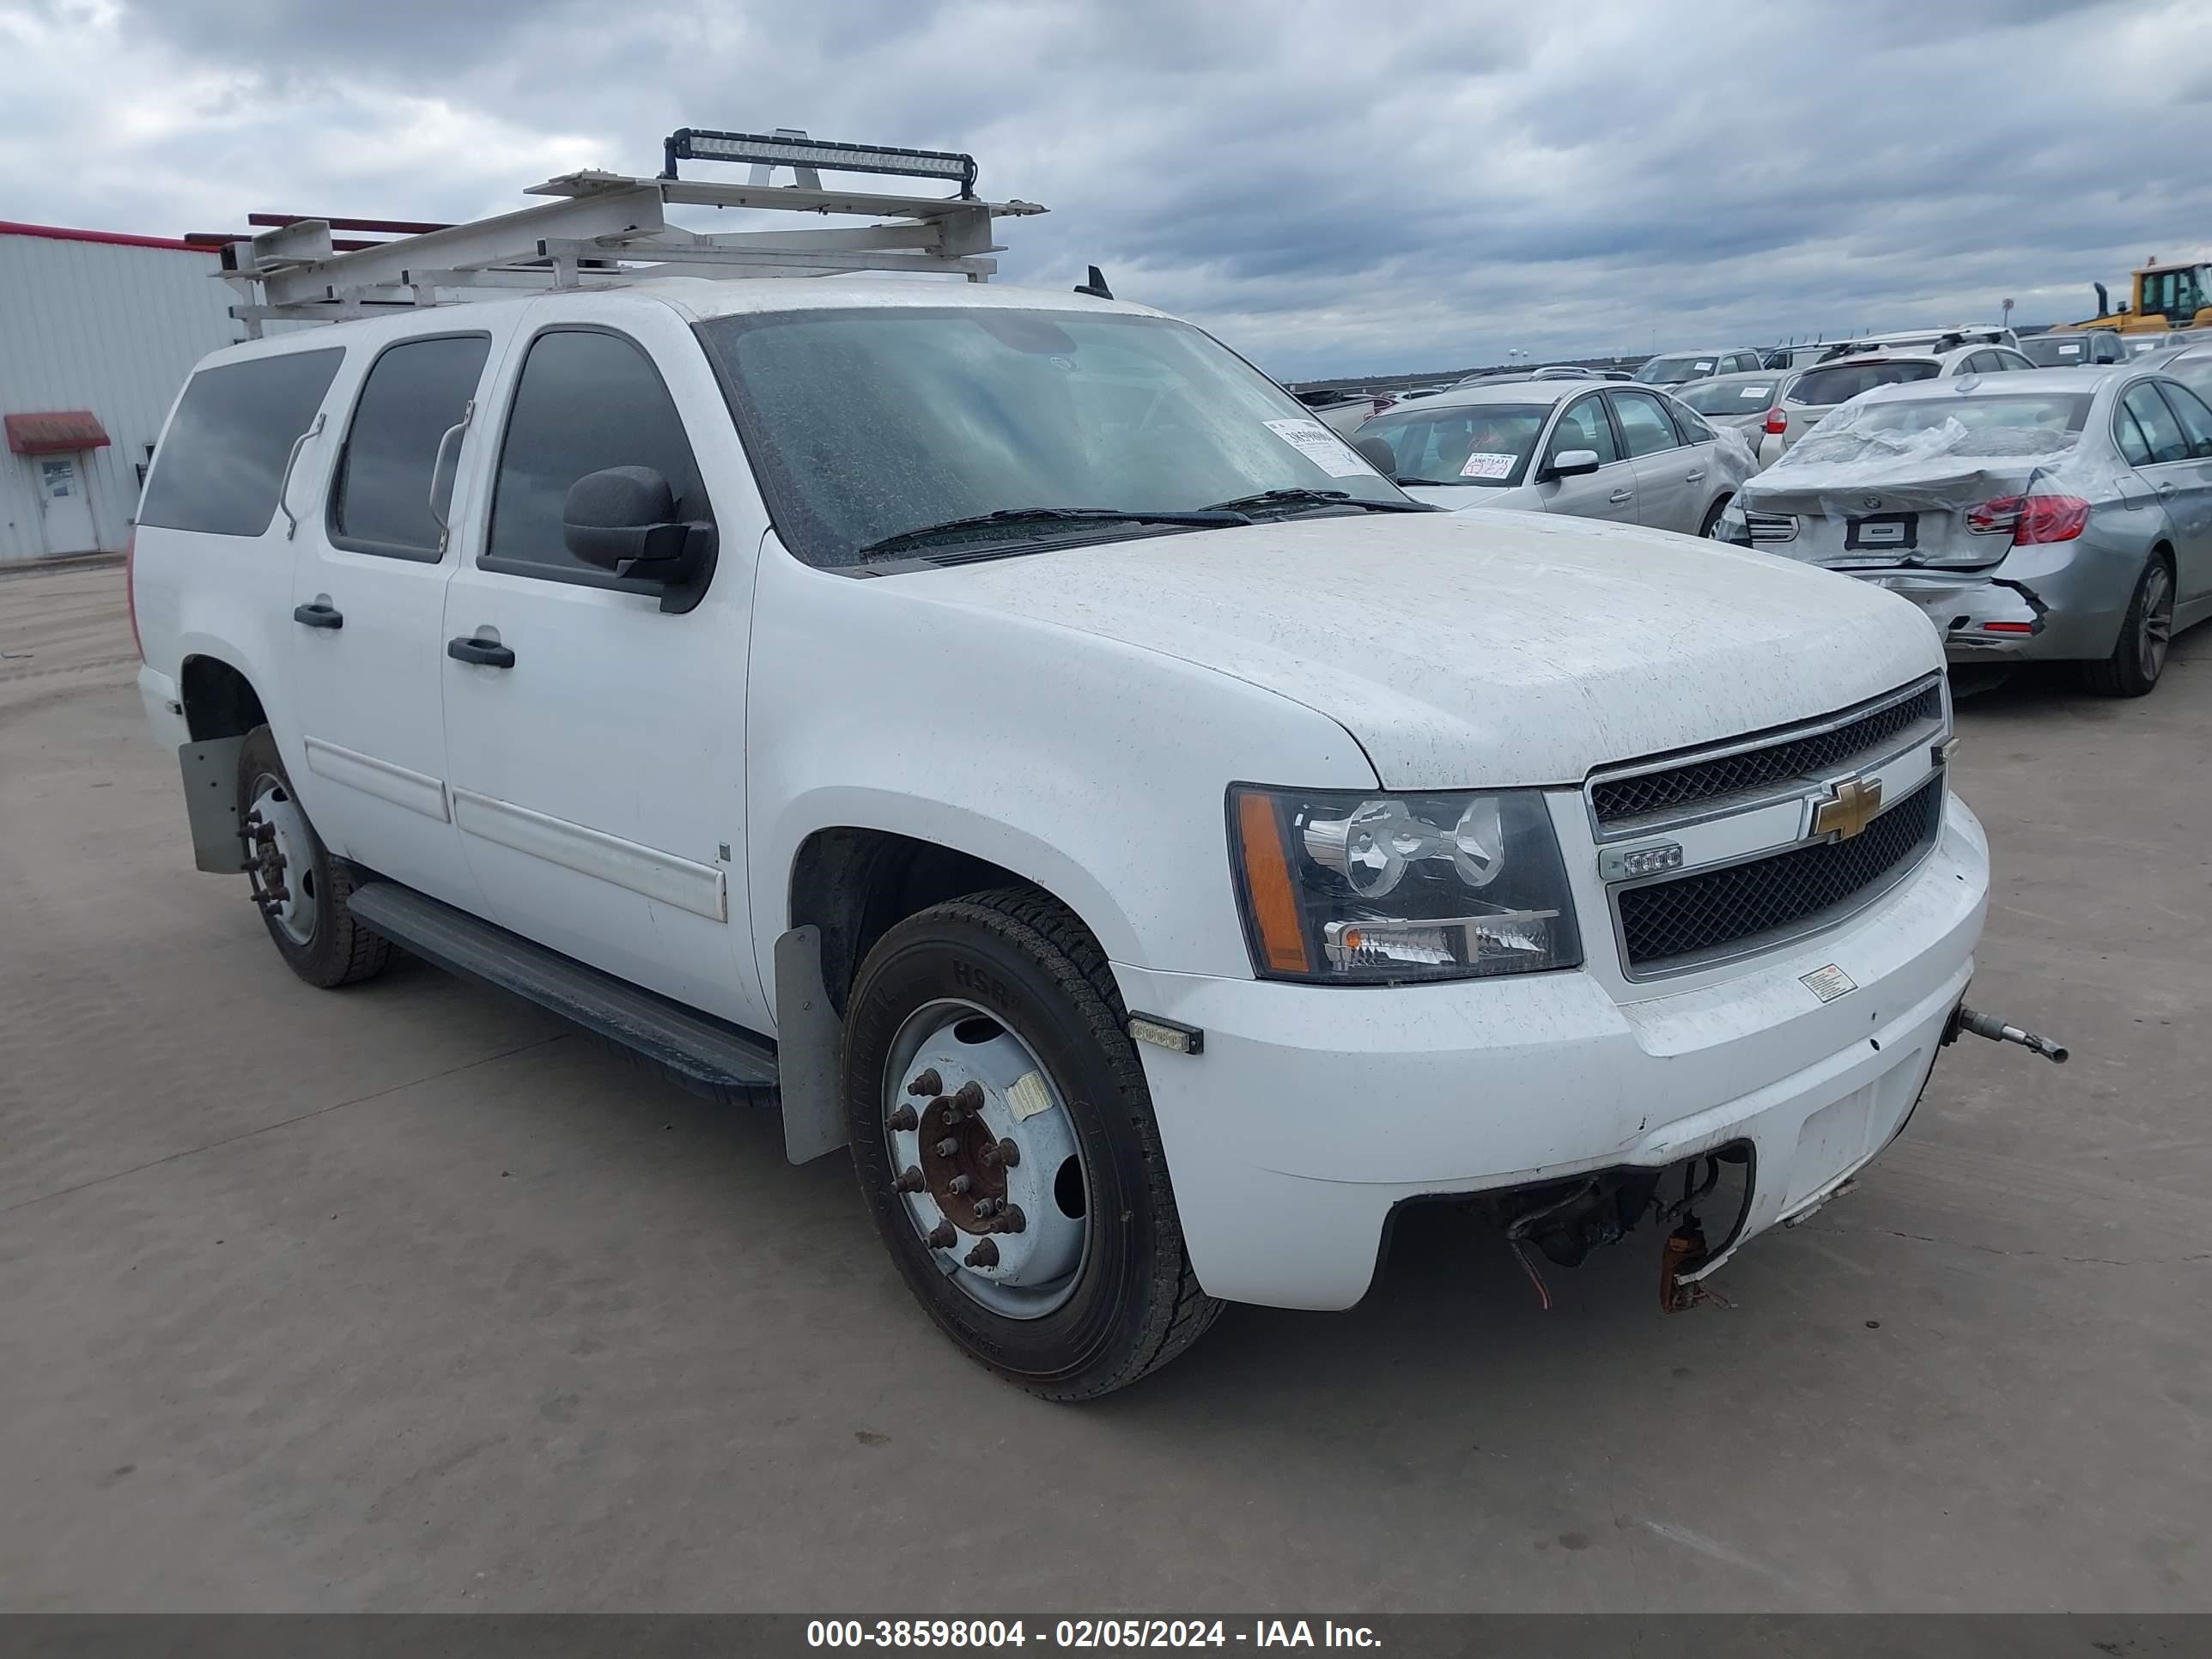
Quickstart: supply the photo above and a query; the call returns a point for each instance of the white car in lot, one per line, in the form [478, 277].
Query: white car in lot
[1156, 846]
[1586, 448]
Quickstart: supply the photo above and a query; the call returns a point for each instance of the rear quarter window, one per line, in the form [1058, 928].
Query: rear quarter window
[221, 462]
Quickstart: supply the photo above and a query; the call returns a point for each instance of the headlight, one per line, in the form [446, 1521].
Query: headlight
[1360, 889]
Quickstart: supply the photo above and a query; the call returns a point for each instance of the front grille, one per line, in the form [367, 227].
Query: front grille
[1726, 909]
[1788, 760]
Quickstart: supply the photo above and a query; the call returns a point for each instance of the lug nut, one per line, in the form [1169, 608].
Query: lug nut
[970, 1096]
[987, 1207]
[1011, 1220]
[928, 1083]
[904, 1118]
[985, 1254]
[942, 1237]
[1002, 1152]
[909, 1180]
[961, 1183]
[948, 1146]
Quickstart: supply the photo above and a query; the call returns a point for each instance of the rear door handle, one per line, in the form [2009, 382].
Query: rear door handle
[486, 653]
[1619, 497]
[319, 615]
[1694, 477]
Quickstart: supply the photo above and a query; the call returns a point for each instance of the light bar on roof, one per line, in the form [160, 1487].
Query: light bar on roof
[698, 144]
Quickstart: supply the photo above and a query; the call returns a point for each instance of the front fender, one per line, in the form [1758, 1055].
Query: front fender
[1097, 770]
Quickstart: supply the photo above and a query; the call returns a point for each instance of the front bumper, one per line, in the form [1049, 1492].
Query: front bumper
[1315, 1110]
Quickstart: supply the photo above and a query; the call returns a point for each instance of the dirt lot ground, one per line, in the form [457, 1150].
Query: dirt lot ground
[402, 1297]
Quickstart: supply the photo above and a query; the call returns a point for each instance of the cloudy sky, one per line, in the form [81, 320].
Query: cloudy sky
[1333, 188]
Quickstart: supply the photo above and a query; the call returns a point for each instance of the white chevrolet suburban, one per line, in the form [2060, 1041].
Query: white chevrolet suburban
[1002, 729]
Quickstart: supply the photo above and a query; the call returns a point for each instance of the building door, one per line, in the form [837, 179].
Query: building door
[66, 509]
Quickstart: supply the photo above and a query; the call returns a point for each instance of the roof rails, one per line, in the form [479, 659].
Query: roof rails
[607, 230]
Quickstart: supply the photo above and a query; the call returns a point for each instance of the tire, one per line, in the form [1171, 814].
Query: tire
[1030, 971]
[302, 893]
[2138, 658]
[1713, 517]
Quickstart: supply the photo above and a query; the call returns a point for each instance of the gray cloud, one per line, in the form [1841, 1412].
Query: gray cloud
[1330, 188]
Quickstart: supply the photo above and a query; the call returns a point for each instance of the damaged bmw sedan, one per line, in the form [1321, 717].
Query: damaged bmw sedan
[2063, 515]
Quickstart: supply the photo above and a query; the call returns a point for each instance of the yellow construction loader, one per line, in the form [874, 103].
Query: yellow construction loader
[2166, 296]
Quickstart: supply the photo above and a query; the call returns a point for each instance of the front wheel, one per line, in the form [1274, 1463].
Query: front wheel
[1005, 1140]
[2139, 659]
[1713, 517]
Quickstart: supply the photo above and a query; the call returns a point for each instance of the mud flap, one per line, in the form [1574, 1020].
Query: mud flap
[210, 770]
[810, 1043]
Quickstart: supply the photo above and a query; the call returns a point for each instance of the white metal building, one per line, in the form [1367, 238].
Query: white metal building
[97, 332]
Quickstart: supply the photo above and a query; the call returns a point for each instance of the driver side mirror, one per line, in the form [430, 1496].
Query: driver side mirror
[622, 518]
[1571, 463]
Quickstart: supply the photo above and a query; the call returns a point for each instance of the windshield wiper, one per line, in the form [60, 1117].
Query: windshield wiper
[1299, 497]
[1014, 516]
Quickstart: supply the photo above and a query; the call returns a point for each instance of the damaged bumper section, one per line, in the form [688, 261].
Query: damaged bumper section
[1314, 1112]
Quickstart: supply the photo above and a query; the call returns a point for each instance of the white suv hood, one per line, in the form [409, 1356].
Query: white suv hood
[1482, 648]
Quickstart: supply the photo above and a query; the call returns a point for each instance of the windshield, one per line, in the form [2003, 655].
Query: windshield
[1729, 397]
[1674, 371]
[2057, 350]
[1480, 444]
[2041, 424]
[862, 424]
[1839, 385]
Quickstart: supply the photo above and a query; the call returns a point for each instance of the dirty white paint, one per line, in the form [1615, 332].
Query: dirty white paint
[1489, 648]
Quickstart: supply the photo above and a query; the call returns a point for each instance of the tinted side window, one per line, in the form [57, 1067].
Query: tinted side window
[587, 400]
[1644, 427]
[1584, 427]
[1688, 427]
[415, 391]
[223, 455]
[2195, 419]
[2159, 430]
[2135, 448]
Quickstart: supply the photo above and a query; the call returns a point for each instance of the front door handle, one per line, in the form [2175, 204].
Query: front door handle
[485, 653]
[319, 615]
[1621, 497]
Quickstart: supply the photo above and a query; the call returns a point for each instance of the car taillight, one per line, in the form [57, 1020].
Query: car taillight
[1777, 420]
[2031, 519]
[131, 590]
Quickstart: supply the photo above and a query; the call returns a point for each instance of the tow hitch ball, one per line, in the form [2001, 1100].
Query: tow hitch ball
[1990, 1026]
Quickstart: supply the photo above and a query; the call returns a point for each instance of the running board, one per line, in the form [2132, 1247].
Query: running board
[706, 1055]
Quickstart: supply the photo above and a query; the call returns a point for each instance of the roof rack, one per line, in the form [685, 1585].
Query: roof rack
[608, 229]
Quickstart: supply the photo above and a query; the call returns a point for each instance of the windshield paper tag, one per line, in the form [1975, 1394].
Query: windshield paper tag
[1752, 394]
[1485, 464]
[1321, 446]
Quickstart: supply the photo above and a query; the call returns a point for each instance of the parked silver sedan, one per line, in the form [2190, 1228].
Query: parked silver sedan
[1589, 449]
[2064, 515]
[1751, 404]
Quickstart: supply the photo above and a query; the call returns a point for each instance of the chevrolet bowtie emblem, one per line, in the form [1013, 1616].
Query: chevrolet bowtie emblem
[1848, 811]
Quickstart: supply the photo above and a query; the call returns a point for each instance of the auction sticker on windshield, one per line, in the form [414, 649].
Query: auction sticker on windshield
[1320, 445]
[1483, 464]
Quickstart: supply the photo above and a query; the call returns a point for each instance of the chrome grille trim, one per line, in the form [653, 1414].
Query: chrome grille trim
[1747, 887]
[1692, 785]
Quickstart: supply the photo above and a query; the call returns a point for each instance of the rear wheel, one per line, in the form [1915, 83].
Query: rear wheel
[1713, 517]
[300, 889]
[2139, 658]
[1005, 1139]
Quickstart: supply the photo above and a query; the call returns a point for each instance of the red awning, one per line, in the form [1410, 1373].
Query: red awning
[59, 432]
